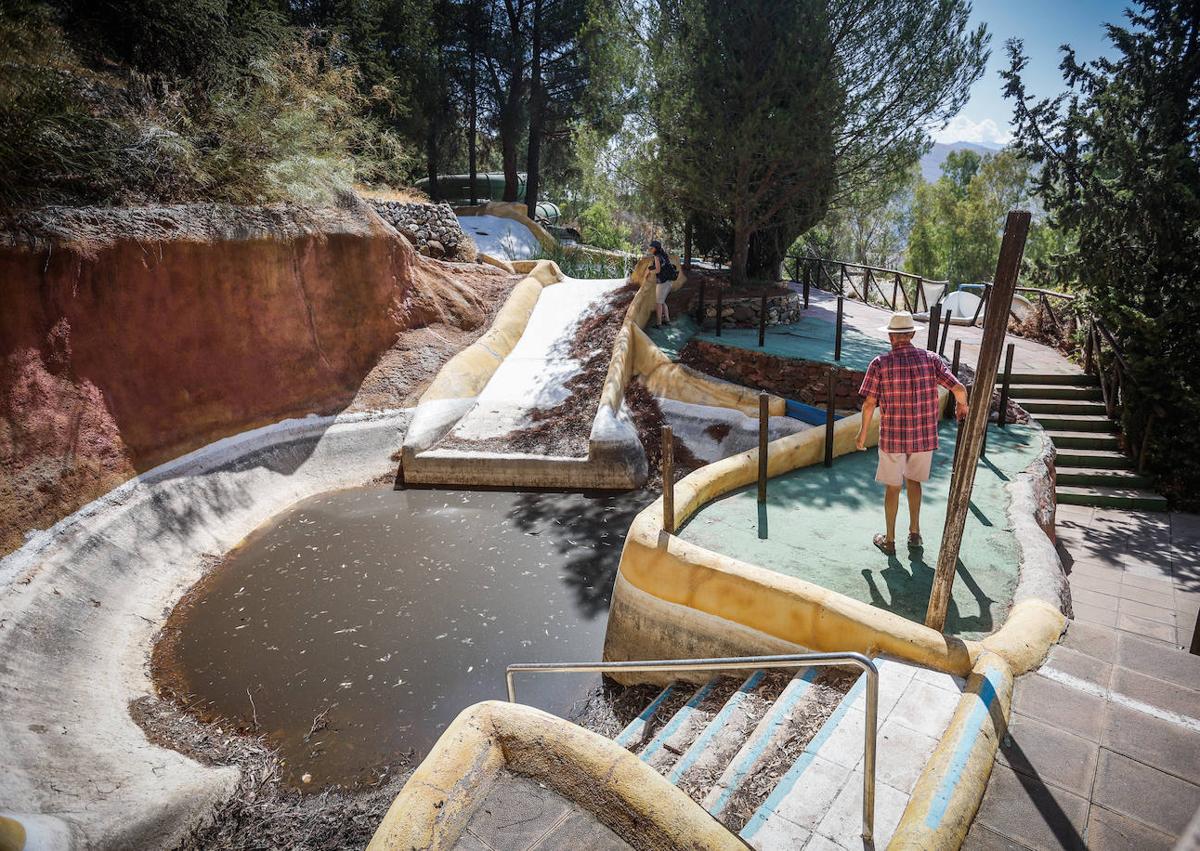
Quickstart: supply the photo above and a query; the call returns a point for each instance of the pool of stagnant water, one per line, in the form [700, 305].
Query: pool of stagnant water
[353, 628]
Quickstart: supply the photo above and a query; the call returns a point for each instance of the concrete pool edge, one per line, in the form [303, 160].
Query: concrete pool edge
[614, 785]
[80, 604]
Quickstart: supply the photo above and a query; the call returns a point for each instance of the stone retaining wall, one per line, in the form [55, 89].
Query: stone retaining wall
[782, 309]
[804, 381]
[433, 229]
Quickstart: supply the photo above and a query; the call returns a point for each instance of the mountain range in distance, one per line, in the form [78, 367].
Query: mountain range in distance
[931, 163]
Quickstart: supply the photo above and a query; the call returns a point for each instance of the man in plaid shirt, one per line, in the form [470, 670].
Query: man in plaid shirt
[903, 383]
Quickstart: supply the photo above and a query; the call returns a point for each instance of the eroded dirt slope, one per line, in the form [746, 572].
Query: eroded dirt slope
[131, 336]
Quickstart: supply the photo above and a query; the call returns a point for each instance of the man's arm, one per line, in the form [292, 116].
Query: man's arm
[868, 411]
[960, 399]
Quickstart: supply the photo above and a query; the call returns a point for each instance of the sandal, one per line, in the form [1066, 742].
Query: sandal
[885, 546]
[914, 541]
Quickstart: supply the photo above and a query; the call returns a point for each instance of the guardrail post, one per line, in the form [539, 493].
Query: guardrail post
[837, 334]
[762, 321]
[687, 245]
[764, 413]
[945, 320]
[869, 755]
[935, 314]
[895, 287]
[668, 480]
[1089, 363]
[987, 289]
[807, 282]
[1008, 359]
[830, 399]
[954, 369]
[720, 309]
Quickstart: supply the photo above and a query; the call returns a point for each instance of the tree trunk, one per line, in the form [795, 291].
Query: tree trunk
[474, 129]
[533, 161]
[510, 125]
[741, 254]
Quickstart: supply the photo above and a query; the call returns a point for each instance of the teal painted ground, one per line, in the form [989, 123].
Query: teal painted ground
[809, 339]
[818, 525]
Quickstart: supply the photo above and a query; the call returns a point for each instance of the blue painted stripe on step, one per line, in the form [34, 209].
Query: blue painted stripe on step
[802, 763]
[777, 715]
[714, 726]
[638, 724]
[967, 738]
[675, 723]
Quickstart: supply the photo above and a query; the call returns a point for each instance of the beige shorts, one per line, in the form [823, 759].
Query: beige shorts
[662, 291]
[895, 467]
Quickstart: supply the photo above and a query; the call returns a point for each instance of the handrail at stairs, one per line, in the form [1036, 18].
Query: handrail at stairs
[734, 663]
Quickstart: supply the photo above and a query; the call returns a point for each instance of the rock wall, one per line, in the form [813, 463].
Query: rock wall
[129, 336]
[433, 229]
[801, 380]
[745, 312]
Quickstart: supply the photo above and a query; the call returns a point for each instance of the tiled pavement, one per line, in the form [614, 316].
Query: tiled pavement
[1103, 746]
[1135, 571]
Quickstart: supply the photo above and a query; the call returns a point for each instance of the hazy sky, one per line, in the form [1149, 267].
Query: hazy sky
[1043, 25]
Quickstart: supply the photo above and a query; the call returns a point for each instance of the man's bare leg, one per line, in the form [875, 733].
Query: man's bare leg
[891, 505]
[914, 507]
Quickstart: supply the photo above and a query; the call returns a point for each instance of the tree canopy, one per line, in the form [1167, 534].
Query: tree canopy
[1118, 155]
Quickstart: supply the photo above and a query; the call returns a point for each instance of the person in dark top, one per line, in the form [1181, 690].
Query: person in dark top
[665, 274]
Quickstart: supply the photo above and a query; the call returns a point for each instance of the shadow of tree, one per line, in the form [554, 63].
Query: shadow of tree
[588, 529]
[908, 590]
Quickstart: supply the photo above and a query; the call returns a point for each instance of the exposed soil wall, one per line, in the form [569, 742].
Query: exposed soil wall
[130, 336]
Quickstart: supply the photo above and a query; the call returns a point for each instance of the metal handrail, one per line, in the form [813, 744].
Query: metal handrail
[733, 663]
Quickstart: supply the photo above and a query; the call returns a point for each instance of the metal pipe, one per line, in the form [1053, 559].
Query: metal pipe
[837, 339]
[762, 321]
[743, 663]
[830, 398]
[668, 480]
[1002, 414]
[764, 413]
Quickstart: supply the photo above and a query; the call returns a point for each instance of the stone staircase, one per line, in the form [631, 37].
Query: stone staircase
[777, 758]
[1092, 469]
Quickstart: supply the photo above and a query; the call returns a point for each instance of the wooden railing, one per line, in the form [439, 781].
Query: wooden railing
[1103, 358]
[838, 276]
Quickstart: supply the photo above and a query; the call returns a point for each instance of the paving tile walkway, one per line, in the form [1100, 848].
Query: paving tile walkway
[1103, 746]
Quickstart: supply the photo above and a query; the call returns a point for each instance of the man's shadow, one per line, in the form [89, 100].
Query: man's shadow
[909, 581]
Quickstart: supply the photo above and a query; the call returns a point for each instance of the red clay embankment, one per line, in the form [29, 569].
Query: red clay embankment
[131, 336]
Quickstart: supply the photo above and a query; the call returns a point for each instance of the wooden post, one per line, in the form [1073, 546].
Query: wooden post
[700, 309]
[935, 314]
[668, 480]
[837, 334]
[807, 283]
[687, 245]
[1089, 365]
[962, 479]
[762, 321]
[830, 399]
[1008, 356]
[987, 289]
[953, 368]
[764, 414]
[720, 308]
[895, 288]
[945, 333]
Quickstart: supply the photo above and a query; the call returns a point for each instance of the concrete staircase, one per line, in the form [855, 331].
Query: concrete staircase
[777, 758]
[1092, 468]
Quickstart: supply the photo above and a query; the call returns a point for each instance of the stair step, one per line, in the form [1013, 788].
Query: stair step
[1099, 476]
[1075, 422]
[1064, 406]
[1084, 440]
[1074, 379]
[788, 783]
[772, 728]
[1054, 391]
[1109, 459]
[1111, 497]
[678, 734]
[729, 729]
[640, 729]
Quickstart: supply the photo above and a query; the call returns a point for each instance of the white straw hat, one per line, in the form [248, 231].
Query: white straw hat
[900, 323]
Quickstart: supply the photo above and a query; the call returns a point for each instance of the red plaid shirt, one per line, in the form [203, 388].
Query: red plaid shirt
[904, 382]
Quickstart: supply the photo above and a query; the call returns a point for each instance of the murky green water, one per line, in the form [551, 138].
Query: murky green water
[357, 625]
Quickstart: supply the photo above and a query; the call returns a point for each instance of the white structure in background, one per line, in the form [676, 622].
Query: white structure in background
[502, 238]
